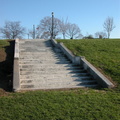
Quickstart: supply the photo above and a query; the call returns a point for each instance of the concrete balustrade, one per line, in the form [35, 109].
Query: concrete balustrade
[16, 73]
[67, 52]
[99, 77]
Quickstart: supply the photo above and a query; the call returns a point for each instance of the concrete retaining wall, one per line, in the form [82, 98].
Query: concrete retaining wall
[67, 52]
[99, 77]
[16, 80]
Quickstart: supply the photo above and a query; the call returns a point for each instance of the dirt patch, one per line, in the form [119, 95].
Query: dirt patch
[2, 55]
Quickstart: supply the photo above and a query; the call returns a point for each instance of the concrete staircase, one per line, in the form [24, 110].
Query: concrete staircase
[42, 66]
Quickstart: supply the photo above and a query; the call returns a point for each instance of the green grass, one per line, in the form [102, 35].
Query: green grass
[104, 54]
[61, 105]
[76, 104]
[3, 43]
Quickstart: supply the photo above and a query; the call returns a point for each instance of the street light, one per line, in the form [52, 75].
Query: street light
[33, 31]
[28, 35]
[52, 34]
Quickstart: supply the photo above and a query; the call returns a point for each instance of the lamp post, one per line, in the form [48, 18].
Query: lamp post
[33, 31]
[28, 35]
[52, 34]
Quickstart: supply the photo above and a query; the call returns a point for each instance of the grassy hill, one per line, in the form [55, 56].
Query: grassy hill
[104, 54]
[73, 104]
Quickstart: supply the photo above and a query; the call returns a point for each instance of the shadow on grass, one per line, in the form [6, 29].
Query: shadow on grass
[6, 68]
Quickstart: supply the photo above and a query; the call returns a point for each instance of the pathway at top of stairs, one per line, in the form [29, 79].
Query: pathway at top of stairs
[44, 67]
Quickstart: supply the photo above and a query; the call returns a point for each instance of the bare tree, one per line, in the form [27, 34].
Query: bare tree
[73, 31]
[46, 26]
[45, 35]
[109, 25]
[100, 35]
[35, 33]
[12, 30]
[64, 25]
[38, 32]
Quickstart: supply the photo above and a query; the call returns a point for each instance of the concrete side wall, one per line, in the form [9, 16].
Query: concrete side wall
[16, 80]
[67, 52]
[101, 79]
[16, 54]
[54, 42]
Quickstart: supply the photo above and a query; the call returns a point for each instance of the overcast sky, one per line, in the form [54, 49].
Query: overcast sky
[89, 15]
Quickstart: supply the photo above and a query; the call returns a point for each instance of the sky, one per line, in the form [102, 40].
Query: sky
[89, 15]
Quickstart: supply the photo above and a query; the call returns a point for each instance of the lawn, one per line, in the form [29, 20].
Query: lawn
[74, 104]
[86, 104]
[104, 54]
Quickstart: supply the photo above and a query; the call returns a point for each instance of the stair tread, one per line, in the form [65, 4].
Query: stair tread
[55, 87]
[62, 81]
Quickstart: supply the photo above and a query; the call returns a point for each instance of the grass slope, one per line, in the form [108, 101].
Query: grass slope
[77, 104]
[102, 53]
[61, 105]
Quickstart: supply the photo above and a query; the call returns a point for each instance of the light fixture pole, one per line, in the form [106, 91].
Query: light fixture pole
[52, 34]
[28, 35]
[33, 31]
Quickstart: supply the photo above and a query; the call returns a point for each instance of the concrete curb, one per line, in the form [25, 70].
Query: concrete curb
[16, 80]
[99, 77]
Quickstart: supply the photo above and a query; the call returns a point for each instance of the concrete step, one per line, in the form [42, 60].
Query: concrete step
[65, 79]
[43, 59]
[44, 62]
[35, 41]
[40, 55]
[43, 54]
[48, 66]
[37, 47]
[40, 44]
[51, 52]
[49, 80]
[52, 69]
[27, 58]
[25, 50]
[60, 82]
[32, 55]
[53, 72]
[35, 53]
[56, 76]
[42, 47]
[32, 87]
